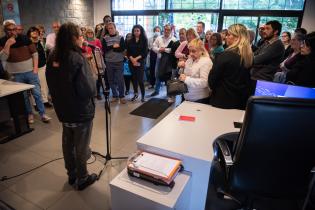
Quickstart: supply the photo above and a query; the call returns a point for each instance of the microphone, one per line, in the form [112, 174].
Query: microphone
[92, 46]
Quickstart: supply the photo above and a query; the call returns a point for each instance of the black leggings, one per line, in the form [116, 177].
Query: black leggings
[127, 79]
[137, 77]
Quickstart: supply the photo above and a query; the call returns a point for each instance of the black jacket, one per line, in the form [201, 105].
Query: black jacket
[135, 49]
[229, 81]
[303, 72]
[72, 88]
[267, 60]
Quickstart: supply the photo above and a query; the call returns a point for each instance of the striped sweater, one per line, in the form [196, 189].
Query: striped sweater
[22, 53]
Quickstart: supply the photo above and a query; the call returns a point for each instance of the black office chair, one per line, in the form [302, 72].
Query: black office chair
[272, 156]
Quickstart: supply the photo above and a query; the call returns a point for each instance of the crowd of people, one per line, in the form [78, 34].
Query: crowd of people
[218, 68]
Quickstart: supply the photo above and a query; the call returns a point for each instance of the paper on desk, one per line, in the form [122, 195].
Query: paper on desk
[155, 164]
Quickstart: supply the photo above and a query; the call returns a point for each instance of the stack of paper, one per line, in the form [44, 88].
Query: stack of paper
[158, 167]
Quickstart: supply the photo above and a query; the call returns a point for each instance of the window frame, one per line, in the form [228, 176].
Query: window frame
[221, 13]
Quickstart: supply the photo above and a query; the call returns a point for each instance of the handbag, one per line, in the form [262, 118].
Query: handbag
[127, 71]
[176, 87]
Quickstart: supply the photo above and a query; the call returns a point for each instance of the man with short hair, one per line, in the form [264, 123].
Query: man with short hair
[19, 29]
[161, 45]
[268, 56]
[101, 33]
[201, 30]
[22, 62]
[51, 38]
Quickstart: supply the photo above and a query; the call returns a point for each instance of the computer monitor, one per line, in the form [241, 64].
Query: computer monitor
[264, 88]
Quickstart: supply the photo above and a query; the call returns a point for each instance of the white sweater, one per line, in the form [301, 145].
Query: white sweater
[161, 41]
[197, 78]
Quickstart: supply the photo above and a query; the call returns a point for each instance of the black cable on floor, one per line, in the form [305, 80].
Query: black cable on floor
[5, 178]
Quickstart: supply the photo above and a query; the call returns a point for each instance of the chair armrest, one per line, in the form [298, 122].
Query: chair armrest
[220, 144]
[311, 191]
[222, 151]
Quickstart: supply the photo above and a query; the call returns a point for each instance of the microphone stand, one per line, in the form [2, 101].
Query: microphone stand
[105, 91]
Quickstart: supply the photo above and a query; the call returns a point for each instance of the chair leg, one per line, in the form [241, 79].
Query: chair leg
[249, 203]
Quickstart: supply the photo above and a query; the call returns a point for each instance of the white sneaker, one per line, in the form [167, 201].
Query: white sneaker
[30, 119]
[46, 118]
[170, 99]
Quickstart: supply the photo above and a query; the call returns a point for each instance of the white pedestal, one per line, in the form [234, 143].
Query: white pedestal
[133, 193]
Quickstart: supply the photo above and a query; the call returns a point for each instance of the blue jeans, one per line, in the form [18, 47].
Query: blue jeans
[116, 78]
[280, 77]
[32, 79]
[157, 79]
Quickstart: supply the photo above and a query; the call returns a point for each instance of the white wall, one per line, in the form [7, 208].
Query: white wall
[309, 16]
[101, 8]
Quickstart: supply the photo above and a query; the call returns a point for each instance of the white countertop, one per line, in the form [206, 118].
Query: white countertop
[9, 87]
[192, 139]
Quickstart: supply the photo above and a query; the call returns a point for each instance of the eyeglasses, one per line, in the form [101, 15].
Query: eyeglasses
[303, 43]
[11, 29]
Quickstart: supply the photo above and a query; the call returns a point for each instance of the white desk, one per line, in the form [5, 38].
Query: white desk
[191, 142]
[13, 107]
[9, 87]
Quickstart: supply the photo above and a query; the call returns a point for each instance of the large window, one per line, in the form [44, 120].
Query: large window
[138, 4]
[189, 20]
[217, 14]
[264, 4]
[148, 23]
[193, 4]
[249, 22]
[124, 24]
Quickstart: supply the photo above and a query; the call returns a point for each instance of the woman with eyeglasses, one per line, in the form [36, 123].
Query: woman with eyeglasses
[229, 78]
[286, 41]
[291, 60]
[90, 39]
[303, 73]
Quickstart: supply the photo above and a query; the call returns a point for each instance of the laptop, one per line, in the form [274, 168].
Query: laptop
[264, 88]
[272, 89]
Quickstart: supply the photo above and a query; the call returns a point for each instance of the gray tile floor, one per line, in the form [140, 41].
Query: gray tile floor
[46, 187]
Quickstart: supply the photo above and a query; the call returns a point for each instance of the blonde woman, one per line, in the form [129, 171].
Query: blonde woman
[229, 78]
[196, 71]
[182, 51]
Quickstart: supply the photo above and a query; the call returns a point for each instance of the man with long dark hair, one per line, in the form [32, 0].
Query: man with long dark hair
[72, 89]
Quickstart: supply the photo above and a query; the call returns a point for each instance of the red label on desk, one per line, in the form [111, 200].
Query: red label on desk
[187, 118]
